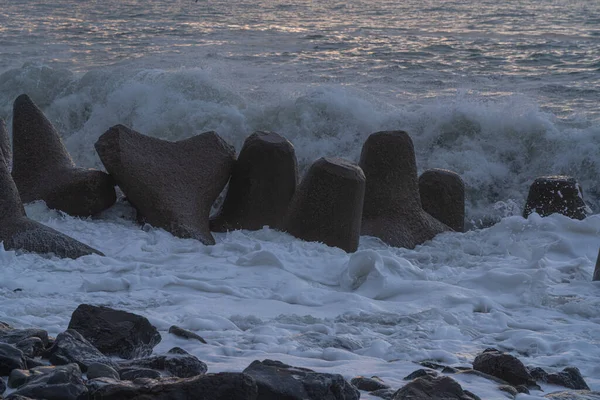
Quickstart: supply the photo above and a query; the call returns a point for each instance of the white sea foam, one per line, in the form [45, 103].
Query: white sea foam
[523, 285]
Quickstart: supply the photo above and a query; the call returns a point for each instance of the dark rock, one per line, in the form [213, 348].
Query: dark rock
[33, 362]
[263, 181]
[172, 185]
[596, 276]
[574, 395]
[60, 383]
[21, 233]
[503, 366]
[471, 371]
[131, 374]
[368, 384]
[524, 389]
[321, 340]
[71, 347]
[44, 170]
[18, 397]
[2, 387]
[386, 394]
[433, 388]
[177, 331]
[278, 381]
[443, 197]
[31, 347]
[19, 377]
[222, 386]
[176, 362]
[570, 377]
[393, 210]
[327, 206]
[5, 151]
[431, 365]
[10, 358]
[420, 373]
[450, 370]
[115, 332]
[555, 194]
[98, 370]
[14, 336]
[509, 389]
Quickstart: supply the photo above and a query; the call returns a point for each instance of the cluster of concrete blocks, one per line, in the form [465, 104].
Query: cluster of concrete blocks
[173, 186]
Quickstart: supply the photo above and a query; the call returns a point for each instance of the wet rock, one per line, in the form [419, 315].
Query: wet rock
[386, 394]
[431, 365]
[420, 373]
[59, 383]
[368, 384]
[2, 387]
[263, 181]
[31, 347]
[10, 358]
[5, 149]
[443, 197]
[392, 209]
[503, 366]
[13, 336]
[574, 395]
[21, 233]
[44, 170]
[327, 206]
[509, 389]
[556, 194]
[321, 340]
[277, 380]
[98, 370]
[131, 374]
[172, 185]
[569, 377]
[33, 362]
[596, 276]
[176, 362]
[222, 386]
[71, 347]
[115, 332]
[184, 333]
[433, 388]
[19, 377]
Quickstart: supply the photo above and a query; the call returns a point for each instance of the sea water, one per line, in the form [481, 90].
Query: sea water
[500, 92]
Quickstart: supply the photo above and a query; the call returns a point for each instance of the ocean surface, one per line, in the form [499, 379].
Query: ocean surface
[499, 91]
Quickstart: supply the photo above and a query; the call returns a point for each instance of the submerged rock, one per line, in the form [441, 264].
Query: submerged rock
[222, 386]
[44, 170]
[18, 232]
[262, 183]
[368, 384]
[172, 185]
[392, 209]
[574, 395]
[184, 333]
[443, 197]
[115, 332]
[277, 380]
[327, 206]
[569, 377]
[556, 194]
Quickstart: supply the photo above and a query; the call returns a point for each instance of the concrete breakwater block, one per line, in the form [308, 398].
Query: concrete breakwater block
[555, 194]
[18, 232]
[44, 170]
[171, 184]
[262, 184]
[443, 197]
[5, 150]
[392, 210]
[327, 206]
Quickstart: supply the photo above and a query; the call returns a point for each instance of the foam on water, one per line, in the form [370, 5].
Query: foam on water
[523, 285]
[499, 145]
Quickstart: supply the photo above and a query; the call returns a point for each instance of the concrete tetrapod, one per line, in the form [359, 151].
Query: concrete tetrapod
[443, 197]
[327, 206]
[262, 184]
[393, 210]
[21, 233]
[171, 184]
[555, 194]
[44, 170]
[5, 151]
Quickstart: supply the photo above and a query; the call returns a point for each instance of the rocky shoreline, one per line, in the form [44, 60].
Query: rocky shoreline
[108, 354]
